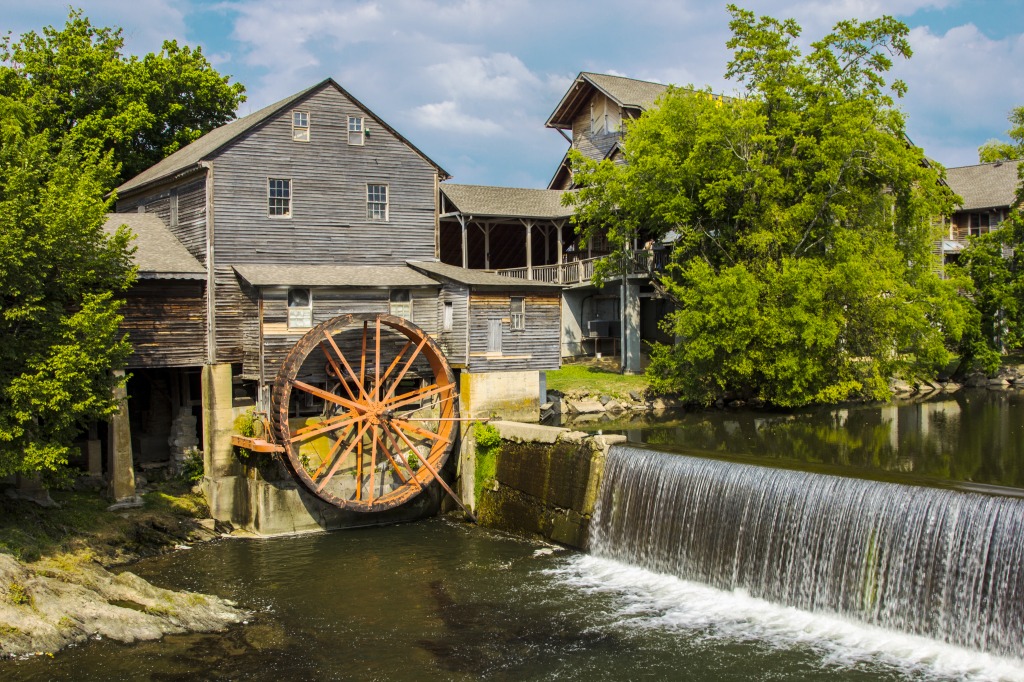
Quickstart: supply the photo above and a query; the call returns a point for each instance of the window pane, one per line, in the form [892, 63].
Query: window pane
[517, 305]
[377, 202]
[449, 316]
[278, 197]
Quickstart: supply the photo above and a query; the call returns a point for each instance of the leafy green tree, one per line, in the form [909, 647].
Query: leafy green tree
[994, 265]
[1000, 150]
[78, 83]
[802, 217]
[59, 279]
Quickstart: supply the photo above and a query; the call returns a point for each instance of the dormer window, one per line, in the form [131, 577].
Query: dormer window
[300, 126]
[356, 131]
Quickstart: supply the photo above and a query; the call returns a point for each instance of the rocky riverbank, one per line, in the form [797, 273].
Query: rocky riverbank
[59, 590]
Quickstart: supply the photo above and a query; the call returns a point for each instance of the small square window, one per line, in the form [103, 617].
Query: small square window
[517, 305]
[400, 304]
[356, 131]
[279, 198]
[300, 308]
[300, 126]
[377, 202]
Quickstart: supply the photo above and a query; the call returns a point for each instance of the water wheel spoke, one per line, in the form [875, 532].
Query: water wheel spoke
[387, 453]
[408, 365]
[376, 364]
[328, 396]
[394, 454]
[334, 468]
[359, 468]
[408, 414]
[394, 363]
[348, 368]
[406, 426]
[333, 424]
[373, 461]
[417, 395]
[433, 472]
[362, 366]
[333, 453]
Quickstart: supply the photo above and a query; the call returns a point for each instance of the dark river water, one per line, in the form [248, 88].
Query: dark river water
[443, 600]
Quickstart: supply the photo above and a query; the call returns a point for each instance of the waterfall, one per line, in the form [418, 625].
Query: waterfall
[940, 563]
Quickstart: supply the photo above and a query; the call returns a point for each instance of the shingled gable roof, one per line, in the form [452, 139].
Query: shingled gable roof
[188, 158]
[478, 279]
[482, 201]
[158, 253]
[626, 92]
[986, 185]
[269, 274]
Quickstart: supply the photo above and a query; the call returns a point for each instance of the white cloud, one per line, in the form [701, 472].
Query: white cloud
[498, 77]
[446, 116]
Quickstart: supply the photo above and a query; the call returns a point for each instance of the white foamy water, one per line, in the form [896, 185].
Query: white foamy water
[647, 600]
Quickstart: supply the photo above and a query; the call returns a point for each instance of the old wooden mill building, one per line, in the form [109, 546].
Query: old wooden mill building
[267, 227]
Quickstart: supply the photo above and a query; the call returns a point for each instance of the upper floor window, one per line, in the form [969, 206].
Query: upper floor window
[300, 308]
[356, 131]
[517, 305]
[279, 198]
[300, 126]
[400, 304]
[376, 202]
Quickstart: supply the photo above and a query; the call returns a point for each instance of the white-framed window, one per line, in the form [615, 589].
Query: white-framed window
[400, 303]
[356, 130]
[300, 126]
[300, 308]
[517, 310]
[448, 316]
[377, 202]
[279, 198]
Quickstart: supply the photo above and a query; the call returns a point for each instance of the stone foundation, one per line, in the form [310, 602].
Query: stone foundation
[540, 480]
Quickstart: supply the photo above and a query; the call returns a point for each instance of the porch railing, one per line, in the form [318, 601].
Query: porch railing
[575, 272]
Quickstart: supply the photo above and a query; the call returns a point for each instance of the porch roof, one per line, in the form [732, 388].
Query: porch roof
[264, 275]
[158, 253]
[479, 278]
[482, 201]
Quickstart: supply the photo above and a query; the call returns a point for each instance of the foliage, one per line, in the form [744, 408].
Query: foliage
[993, 264]
[1000, 150]
[488, 443]
[80, 85]
[60, 277]
[192, 467]
[802, 220]
[595, 381]
[18, 594]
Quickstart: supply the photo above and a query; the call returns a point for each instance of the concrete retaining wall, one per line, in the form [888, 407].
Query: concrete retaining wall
[540, 480]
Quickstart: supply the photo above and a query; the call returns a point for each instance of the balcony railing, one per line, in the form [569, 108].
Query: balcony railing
[575, 272]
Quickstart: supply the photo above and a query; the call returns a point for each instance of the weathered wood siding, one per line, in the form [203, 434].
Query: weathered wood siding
[535, 347]
[595, 145]
[166, 323]
[329, 302]
[453, 342]
[188, 222]
[328, 223]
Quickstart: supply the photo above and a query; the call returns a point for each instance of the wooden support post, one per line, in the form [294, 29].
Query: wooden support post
[465, 248]
[558, 256]
[487, 246]
[529, 249]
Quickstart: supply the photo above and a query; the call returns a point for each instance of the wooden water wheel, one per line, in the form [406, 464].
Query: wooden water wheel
[365, 409]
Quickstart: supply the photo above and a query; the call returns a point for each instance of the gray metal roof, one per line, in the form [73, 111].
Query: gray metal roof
[986, 185]
[188, 157]
[510, 202]
[626, 92]
[478, 278]
[263, 275]
[158, 253]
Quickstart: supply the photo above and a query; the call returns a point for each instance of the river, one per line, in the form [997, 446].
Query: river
[444, 600]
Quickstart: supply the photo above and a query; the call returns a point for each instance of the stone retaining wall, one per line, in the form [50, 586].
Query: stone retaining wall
[540, 480]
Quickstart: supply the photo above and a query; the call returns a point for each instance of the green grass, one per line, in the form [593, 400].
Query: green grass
[595, 380]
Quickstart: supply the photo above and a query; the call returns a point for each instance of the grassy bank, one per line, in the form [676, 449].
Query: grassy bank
[595, 380]
[82, 524]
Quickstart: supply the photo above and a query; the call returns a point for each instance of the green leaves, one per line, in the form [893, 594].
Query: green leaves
[60, 275]
[804, 221]
[83, 90]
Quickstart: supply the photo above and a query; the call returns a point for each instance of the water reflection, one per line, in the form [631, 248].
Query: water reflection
[976, 436]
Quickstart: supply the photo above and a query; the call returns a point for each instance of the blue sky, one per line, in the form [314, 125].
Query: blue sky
[471, 82]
